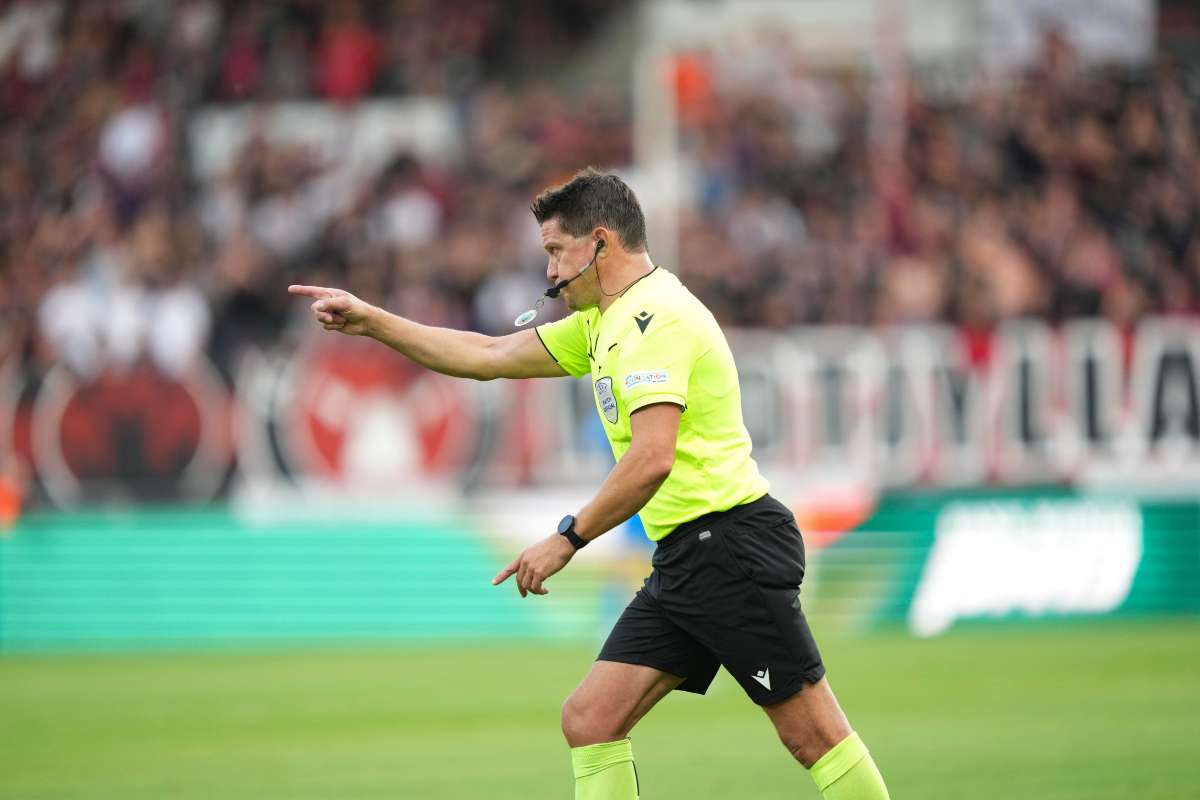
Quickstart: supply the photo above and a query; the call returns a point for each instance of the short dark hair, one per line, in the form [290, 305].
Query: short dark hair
[593, 198]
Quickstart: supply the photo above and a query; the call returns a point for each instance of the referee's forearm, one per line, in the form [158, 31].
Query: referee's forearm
[628, 487]
[460, 354]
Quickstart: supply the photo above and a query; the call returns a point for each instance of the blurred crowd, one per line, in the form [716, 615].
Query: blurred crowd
[1068, 192]
[113, 251]
[1058, 193]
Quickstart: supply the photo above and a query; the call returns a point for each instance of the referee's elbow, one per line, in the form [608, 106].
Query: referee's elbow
[659, 465]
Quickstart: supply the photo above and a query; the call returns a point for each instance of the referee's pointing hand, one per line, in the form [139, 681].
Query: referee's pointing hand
[537, 563]
[336, 309]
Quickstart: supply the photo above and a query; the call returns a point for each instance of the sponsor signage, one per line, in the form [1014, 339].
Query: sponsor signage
[933, 561]
[926, 406]
[1002, 558]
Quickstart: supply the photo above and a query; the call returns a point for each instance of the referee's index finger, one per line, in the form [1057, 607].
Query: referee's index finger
[310, 291]
[505, 573]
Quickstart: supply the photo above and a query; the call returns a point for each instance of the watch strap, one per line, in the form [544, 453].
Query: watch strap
[568, 531]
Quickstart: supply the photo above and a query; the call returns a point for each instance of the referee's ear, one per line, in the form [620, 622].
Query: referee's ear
[604, 240]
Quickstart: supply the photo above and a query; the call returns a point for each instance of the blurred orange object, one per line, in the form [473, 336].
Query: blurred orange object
[10, 502]
[693, 87]
[829, 514]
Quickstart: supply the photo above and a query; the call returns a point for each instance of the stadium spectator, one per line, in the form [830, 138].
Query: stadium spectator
[348, 55]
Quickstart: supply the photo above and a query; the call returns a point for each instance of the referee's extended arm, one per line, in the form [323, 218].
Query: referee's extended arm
[628, 487]
[462, 354]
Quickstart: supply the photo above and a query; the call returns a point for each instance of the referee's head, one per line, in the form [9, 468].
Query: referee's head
[595, 214]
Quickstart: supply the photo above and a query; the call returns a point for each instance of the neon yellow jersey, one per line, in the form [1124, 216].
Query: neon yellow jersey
[657, 343]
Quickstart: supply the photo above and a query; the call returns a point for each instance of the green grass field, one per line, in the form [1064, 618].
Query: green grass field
[1102, 710]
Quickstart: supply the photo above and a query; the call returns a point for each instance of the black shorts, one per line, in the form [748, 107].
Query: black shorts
[725, 591]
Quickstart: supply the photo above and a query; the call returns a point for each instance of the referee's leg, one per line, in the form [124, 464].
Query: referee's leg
[813, 728]
[597, 719]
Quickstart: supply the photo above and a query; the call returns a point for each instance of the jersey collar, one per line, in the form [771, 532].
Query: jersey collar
[637, 284]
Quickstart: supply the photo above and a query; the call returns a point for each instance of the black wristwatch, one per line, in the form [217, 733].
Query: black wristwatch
[566, 527]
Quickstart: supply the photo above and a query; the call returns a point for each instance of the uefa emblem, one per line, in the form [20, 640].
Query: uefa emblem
[607, 400]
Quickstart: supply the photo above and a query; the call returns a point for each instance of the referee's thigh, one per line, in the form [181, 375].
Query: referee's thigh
[611, 699]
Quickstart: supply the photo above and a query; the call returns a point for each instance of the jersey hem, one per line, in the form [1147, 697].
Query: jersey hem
[657, 397]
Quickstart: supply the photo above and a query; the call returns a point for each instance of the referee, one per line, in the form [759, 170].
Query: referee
[725, 588]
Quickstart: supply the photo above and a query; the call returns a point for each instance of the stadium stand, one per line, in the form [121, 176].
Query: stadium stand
[1063, 193]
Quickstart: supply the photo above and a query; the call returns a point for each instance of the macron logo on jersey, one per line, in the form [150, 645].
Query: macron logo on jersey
[635, 378]
[643, 320]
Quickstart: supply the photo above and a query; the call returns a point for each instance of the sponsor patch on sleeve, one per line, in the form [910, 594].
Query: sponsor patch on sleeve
[635, 378]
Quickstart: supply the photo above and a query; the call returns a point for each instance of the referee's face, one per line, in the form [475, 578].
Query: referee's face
[567, 256]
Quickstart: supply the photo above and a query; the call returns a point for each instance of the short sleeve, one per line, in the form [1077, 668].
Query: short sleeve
[658, 367]
[566, 342]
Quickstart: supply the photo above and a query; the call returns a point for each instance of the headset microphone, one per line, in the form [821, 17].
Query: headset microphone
[528, 316]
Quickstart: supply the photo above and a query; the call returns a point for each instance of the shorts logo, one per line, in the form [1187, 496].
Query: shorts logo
[763, 676]
[607, 400]
[635, 378]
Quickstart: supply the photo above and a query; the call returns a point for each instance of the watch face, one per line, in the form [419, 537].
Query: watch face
[565, 523]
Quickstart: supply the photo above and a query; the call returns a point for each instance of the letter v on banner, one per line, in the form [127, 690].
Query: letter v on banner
[960, 404]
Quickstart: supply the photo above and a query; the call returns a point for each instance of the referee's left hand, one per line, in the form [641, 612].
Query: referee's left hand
[536, 564]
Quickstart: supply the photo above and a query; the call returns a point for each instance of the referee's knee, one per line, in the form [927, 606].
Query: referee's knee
[583, 723]
[808, 746]
[803, 753]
